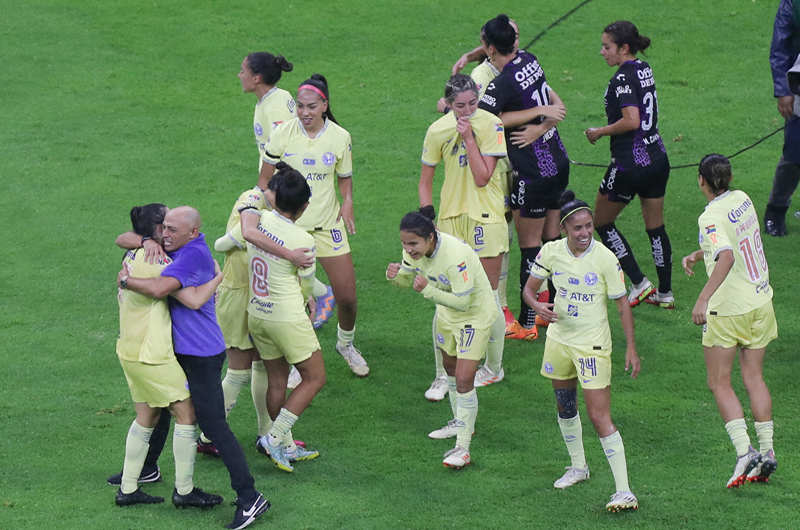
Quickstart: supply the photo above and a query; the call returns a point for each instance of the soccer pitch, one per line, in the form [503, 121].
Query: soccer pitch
[107, 105]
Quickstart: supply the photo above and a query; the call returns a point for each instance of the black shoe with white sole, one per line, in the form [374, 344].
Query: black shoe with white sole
[147, 476]
[247, 514]
[137, 497]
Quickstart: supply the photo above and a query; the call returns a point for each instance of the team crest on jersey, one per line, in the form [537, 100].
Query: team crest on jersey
[258, 130]
[590, 278]
[328, 159]
[548, 368]
[572, 310]
[440, 338]
[443, 280]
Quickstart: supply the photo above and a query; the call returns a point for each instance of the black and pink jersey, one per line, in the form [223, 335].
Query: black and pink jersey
[633, 85]
[522, 85]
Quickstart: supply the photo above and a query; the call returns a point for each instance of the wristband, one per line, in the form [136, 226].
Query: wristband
[123, 283]
[428, 212]
[145, 238]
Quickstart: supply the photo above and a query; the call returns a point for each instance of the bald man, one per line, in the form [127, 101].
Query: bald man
[200, 348]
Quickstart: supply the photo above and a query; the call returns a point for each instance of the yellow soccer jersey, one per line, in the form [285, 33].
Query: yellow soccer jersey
[483, 75]
[582, 285]
[460, 194]
[730, 222]
[321, 160]
[234, 271]
[455, 270]
[274, 108]
[275, 293]
[145, 327]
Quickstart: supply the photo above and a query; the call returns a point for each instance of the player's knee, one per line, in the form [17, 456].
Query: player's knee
[567, 399]
[601, 419]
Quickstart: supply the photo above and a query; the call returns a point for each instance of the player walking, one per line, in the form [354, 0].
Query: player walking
[639, 163]
[578, 343]
[735, 310]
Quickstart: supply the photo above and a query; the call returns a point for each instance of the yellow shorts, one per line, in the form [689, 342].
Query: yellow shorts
[333, 242]
[462, 340]
[753, 330]
[486, 239]
[295, 341]
[591, 367]
[158, 385]
[232, 317]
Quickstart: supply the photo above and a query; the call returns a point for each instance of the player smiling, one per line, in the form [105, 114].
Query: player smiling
[578, 343]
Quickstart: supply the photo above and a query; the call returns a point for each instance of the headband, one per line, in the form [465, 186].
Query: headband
[315, 89]
[573, 211]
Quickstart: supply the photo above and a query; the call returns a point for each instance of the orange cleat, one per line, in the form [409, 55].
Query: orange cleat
[541, 323]
[509, 316]
[517, 331]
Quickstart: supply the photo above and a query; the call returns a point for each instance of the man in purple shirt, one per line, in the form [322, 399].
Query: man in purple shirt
[200, 349]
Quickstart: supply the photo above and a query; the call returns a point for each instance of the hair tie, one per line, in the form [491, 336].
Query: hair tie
[573, 211]
[315, 89]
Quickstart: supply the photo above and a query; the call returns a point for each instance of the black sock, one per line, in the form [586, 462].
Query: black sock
[616, 242]
[551, 289]
[527, 316]
[662, 256]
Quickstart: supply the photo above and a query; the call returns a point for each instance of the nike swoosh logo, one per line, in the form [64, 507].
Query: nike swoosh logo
[559, 273]
[587, 380]
[337, 248]
[254, 508]
[479, 249]
[289, 154]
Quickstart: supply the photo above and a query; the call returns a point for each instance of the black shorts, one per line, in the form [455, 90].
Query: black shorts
[534, 196]
[649, 182]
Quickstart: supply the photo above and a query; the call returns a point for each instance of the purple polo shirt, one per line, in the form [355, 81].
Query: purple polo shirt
[194, 332]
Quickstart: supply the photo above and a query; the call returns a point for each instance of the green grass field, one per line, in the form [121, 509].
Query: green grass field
[107, 105]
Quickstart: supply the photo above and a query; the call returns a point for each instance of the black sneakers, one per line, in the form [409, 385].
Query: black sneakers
[247, 514]
[137, 497]
[196, 498]
[146, 477]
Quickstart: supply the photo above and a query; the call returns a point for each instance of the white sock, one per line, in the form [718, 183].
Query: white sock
[572, 431]
[466, 414]
[437, 353]
[615, 453]
[452, 394]
[764, 431]
[136, 446]
[497, 339]
[184, 449]
[345, 337]
[737, 430]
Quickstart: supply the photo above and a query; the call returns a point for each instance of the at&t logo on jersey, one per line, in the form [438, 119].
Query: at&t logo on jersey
[258, 130]
[328, 159]
[590, 278]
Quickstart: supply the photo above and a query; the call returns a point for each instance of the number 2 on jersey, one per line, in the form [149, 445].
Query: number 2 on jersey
[260, 270]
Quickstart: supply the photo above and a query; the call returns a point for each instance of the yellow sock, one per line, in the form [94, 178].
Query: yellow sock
[136, 446]
[497, 339]
[465, 415]
[737, 430]
[288, 442]
[319, 289]
[282, 425]
[572, 431]
[764, 430]
[615, 453]
[345, 337]
[437, 353]
[259, 383]
[502, 284]
[453, 395]
[184, 449]
[232, 385]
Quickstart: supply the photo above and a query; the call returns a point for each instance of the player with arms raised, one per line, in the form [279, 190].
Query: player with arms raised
[639, 163]
[735, 310]
[448, 272]
[578, 343]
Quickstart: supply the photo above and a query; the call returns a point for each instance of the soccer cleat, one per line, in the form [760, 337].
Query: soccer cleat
[665, 300]
[508, 315]
[438, 389]
[572, 477]
[207, 448]
[540, 322]
[137, 497]
[196, 498]
[246, 515]
[145, 477]
[640, 293]
[260, 448]
[294, 379]
[277, 454]
[622, 500]
[484, 376]
[517, 331]
[764, 469]
[457, 458]
[448, 431]
[354, 359]
[744, 465]
[325, 305]
[301, 454]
